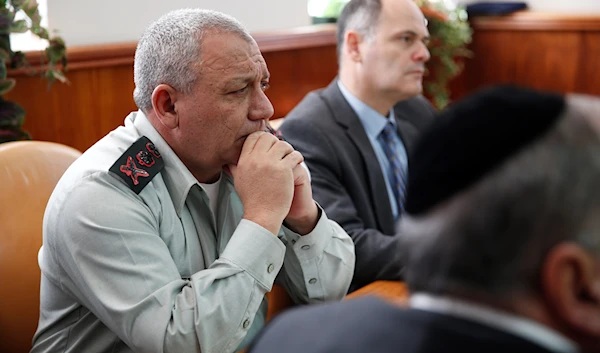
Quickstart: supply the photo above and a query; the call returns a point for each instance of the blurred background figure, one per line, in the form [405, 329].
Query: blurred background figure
[356, 134]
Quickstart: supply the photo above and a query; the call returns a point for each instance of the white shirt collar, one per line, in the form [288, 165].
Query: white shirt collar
[518, 326]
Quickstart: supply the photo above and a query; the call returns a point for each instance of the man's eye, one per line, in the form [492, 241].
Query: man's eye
[265, 85]
[407, 39]
[242, 90]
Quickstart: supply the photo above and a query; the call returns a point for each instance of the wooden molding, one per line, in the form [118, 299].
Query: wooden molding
[536, 21]
[296, 38]
[108, 55]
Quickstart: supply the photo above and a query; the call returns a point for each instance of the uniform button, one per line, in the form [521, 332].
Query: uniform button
[305, 247]
[270, 268]
[312, 281]
[246, 323]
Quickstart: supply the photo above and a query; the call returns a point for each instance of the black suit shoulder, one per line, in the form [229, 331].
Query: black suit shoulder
[313, 109]
[374, 326]
[418, 111]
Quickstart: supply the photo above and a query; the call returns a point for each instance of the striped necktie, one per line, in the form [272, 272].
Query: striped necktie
[398, 175]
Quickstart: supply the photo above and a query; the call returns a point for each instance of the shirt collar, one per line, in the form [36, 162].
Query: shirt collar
[178, 179]
[371, 120]
[518, 326]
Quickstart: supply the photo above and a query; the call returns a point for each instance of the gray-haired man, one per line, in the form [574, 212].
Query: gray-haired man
[167, 233]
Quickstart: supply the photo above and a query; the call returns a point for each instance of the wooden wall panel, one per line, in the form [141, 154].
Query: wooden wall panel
[95, 102]
[553, 52]
[545, 51]
[589, 75]
[296, 72]
[537, 59]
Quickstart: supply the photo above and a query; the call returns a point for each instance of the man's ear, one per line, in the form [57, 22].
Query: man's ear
[353, 45]
[571, 284]
[164, 98]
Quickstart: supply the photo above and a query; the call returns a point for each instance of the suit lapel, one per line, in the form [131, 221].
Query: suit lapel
[345, 116]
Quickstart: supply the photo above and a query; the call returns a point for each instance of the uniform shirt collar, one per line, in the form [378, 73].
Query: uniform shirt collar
[519, 326]
[371, 120]
[178, 178]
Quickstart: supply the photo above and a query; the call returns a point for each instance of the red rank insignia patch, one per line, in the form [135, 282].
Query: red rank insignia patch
[139, 164]
[131, 170]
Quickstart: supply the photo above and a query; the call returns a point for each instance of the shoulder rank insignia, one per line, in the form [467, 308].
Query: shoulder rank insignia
[139, 164]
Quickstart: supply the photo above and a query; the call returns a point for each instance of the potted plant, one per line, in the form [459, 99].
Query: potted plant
[450, 34]
[325, 11]
[12, 114]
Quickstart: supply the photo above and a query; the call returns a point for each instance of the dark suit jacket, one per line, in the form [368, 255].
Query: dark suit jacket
[369, 325]
[347, 180]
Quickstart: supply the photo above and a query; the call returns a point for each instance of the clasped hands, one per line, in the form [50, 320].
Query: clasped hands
[273, 185]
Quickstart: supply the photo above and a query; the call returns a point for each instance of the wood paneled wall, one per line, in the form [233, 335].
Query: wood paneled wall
[552, 52]
[545, 51]
[99, 95]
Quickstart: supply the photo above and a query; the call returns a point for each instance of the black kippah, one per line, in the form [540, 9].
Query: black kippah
[474, 136]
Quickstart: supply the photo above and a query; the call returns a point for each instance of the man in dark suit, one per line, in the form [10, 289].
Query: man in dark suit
[355, 135]
[501, 239]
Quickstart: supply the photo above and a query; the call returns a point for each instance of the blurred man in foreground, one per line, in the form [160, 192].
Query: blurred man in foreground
[501, 238]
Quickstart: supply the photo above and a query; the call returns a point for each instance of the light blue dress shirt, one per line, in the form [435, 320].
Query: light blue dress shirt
[374, 123]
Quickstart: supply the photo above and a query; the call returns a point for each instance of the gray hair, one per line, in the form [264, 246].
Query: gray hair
[493, 237]
[170, 48]
[361, 16]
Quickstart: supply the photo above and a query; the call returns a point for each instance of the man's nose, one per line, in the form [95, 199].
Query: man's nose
[260, 107]
[422, 54]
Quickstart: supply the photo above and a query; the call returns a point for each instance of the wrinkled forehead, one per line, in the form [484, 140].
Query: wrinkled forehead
[229, 53]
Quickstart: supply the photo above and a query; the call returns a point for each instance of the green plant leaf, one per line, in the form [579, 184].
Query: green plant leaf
[30, 7]
[4, 55]
[12, 115]
[17, 4]
[40, 32]
[55, 74]
[19, 26]
[56, 51]
[18, 60]
[6, 85]
[8, 135]
[6, 19]
[36, 19]
[3, 70]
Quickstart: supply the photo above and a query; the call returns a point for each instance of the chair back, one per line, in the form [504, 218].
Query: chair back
[29, 171]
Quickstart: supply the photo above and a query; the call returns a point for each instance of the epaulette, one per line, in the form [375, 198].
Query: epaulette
[139, 164]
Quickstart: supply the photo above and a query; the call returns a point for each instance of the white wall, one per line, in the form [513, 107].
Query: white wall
[586, 7]
[82, 22]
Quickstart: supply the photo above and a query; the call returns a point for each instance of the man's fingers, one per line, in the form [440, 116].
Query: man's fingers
[265, 142]
[250, 142]
[293, 159]
[281, 149]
